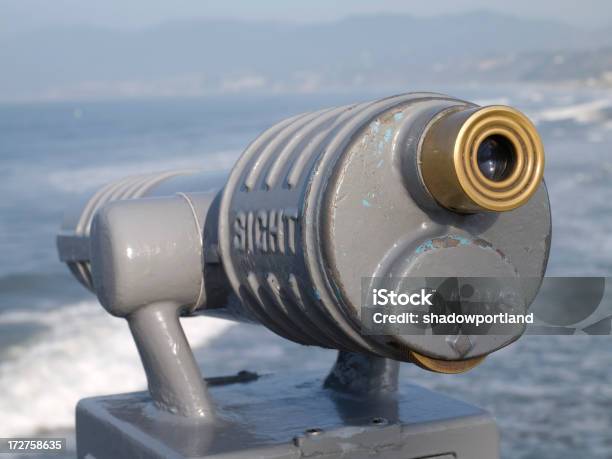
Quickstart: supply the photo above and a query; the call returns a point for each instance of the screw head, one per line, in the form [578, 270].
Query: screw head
[379, 421]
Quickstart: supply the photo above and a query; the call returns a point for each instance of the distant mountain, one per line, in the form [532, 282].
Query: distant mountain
[579, 66]
[220, 56]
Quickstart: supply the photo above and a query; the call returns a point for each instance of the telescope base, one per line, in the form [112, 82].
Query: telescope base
[289, 416]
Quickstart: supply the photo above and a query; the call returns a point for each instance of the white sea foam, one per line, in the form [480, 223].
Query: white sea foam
[595, 111]
[83, 352]
[493, 101]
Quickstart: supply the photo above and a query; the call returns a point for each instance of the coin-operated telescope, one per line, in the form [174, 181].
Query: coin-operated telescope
[415, 185]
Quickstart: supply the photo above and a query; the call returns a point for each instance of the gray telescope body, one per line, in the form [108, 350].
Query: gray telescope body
[315, 205]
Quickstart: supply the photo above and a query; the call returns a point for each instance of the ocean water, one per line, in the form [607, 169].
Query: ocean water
[552, 396]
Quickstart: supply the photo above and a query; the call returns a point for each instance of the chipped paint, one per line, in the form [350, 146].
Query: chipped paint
[450, 241]
[375, 126]
[388, 135]
[426, 246]
[398, 116]
[443, 243]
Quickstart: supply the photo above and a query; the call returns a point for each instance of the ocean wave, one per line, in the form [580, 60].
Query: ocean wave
[82, 352]
[493, 101]
[595, 111]
[90, 177]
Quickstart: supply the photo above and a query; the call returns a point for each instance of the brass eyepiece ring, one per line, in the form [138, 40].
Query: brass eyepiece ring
[444, 366]
[476, 159]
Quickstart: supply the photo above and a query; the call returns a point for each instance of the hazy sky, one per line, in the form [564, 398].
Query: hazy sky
[19, 15]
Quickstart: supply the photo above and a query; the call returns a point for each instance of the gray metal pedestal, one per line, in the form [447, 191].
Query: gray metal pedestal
[289, 416]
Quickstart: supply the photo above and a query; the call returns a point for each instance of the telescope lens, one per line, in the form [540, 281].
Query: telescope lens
[496, 157]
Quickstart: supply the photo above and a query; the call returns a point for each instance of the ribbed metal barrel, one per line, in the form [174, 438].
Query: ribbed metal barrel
[282, 219]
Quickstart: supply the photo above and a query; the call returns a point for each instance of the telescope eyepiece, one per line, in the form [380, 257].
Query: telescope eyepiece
[475, 159]
[496, 158]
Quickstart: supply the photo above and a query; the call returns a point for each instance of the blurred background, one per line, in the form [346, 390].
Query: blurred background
[93, 92]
